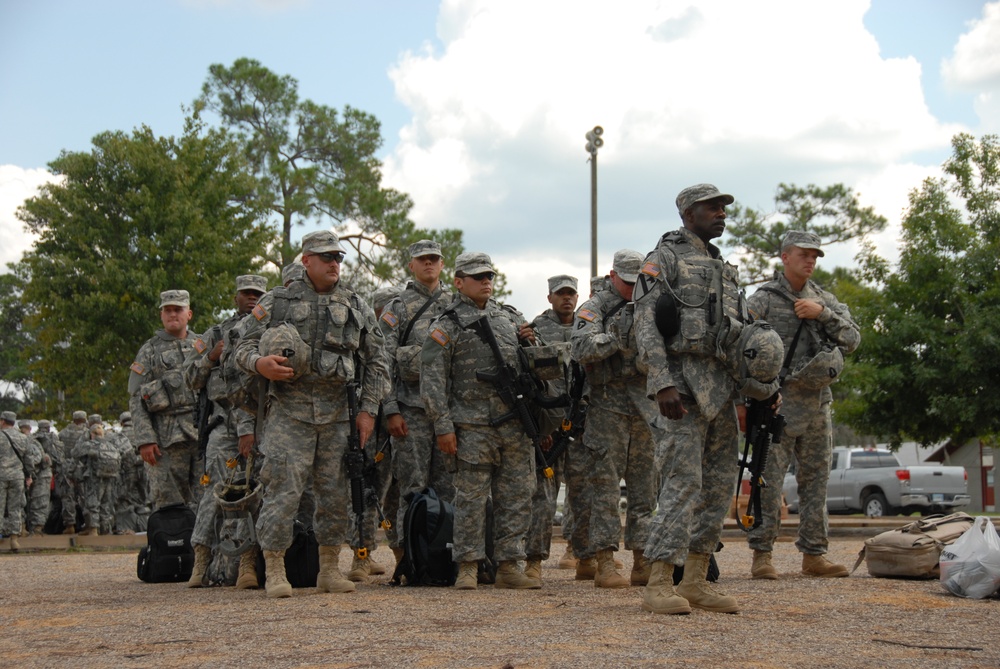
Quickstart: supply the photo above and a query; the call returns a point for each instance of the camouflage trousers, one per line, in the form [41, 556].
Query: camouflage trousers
[37, 511]
[698, 464]
[66, 488]
[387, 493]
[175, 478]
[580, 497]
[222, 446]
[99, 503]
[11, 506]
[294, 452]
[417, 463]
[543, 511]
[499, 462]
[623, 449]
[813, 452]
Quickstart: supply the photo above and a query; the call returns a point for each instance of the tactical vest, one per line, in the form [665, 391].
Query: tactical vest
[621, 363]
[705, 289]
[330, 323]
[168, 391]
[471, 354]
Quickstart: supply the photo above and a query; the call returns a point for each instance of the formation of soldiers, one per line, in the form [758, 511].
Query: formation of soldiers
[86, 471]
[659, 359]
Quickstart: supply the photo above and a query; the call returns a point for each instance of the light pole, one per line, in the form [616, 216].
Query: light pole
[594, 142]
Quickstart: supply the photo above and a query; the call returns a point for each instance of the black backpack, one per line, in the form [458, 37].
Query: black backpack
[713, 568]
[168, 556]
[301, 559]
[428, 527]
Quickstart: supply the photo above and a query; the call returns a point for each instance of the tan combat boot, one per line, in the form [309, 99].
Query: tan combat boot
[329, 578]
[533, 568]
[510, 576]
[360, 568]
[276, 583]
[468, 576]
[202, 556]
[15, 546]
[818, 565]
[246, 578]
[607, 576]
[69, 529]
[89, 532]
[375, 568]
[568, 560]
[640, 568]
[762, 567]
[37, 532]
[586, 569]
[699, 592]
[659, 595]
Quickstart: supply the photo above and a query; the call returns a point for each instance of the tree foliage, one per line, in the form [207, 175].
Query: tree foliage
[136, 215]
[929, 360]
[15, 379]
[833, 213]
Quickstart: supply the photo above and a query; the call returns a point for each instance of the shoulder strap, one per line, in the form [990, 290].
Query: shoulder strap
[409, 326]
[615, 309]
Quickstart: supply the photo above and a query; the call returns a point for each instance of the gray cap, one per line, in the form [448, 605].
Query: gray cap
[79, 415]
[8, 417]
[699, 193]
[473, 263]
[627, 265]
[24, 424]
[125, 417]
[44, 425]
[802, 239]
[295, 270]
[560, 281]
[425, 247]
[323, 241]
[94, 419]
[176, 298]
[251, 282]
[383, 296]
[597, 283]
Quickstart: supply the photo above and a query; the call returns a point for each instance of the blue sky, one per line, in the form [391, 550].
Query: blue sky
[484, 103]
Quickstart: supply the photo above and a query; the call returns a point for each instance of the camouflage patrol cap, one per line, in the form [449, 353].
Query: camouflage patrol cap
[176, 298]
[251, 282]
[292, 272]
[94, 419]
[560, 281]
[699, 193]
[125, 417]
[425, 247]
[284, 340]
[79, 415]
[596, 283]
[321, 241]
[44, 425]
[383, 296]
[8, 417]
[24, 424]
[473, 262]
[627, 265]
[802, 239]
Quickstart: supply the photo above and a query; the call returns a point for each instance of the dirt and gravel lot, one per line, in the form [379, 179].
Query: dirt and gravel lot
[87, 609]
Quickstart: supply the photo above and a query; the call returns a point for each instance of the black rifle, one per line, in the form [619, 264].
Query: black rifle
[204, 419]
[517, 390]
[572, 424]
[354, 463]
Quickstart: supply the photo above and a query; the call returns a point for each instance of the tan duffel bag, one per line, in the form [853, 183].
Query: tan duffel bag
[913, 551]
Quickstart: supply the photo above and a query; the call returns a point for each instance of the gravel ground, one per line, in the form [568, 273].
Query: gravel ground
[87, 609]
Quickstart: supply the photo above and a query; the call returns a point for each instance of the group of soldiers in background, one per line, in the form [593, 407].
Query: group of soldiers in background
[85, 477]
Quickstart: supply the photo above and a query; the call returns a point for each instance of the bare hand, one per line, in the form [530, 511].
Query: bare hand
[447, 443]
[741, 416]
[527, 333]
[246, 445]
[366, 425]
[27, 482]
[669, 401]
[150, 453]
[397, 425]
[271, 367]
[216, 352]
[808, 309]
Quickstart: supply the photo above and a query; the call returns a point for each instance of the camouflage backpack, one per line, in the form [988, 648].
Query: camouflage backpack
[109, 459]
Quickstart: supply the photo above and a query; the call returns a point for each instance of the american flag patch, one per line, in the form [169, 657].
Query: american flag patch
[587, 315]
[137, 368]
[199, 345]
[390, 319]
[441, 337]
[651, 269]
[259, 312]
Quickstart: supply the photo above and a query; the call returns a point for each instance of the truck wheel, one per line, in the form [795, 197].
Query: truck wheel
[875, 505]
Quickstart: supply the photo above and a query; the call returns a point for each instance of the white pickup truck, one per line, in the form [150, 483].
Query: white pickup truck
[873, 482]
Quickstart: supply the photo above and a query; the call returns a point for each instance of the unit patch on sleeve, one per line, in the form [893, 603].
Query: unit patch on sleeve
[390, 319]
[587, 315]
[199, 345]
[259, 312]
[440, 336]
[651, 269]
[137, 368]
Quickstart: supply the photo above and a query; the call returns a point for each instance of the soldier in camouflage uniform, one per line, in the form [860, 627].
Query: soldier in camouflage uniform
[306, 429]
[231, 434]
[696, 392]
[163, 406]
[130, 494]
[828, 330]
[53, 449]
[497, 460]
[66, 486]
[554, 326]
[619, 421]
[15, 476]
[100, 462]
[416, 461]
[37, 508]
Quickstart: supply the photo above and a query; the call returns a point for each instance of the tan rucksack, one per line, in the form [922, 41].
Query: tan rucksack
[913, 551]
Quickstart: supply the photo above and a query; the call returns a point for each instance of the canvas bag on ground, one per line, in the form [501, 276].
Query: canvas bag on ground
[970, 567]
[912, 551]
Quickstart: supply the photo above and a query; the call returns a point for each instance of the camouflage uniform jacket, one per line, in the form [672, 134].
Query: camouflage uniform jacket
[161, 358]
[341, 332]
[707, 290]
[69, 436]
[200, 370]
[40, 463]
[774, 303]
[53, 448]
[452, 354]
[14, 464]
[404, 357]
[604, 343]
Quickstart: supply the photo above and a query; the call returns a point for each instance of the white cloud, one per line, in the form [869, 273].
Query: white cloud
[975, 66]
[17, 185]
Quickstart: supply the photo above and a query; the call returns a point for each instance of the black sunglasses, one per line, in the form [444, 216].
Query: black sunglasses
[482, 276]
[330, 257]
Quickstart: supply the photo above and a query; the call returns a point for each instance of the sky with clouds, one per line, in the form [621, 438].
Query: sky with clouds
[485, 103]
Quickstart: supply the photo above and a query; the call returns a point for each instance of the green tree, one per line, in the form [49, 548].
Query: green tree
[833, 213]
[929, 359]
[136, 215]
[15, 380]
